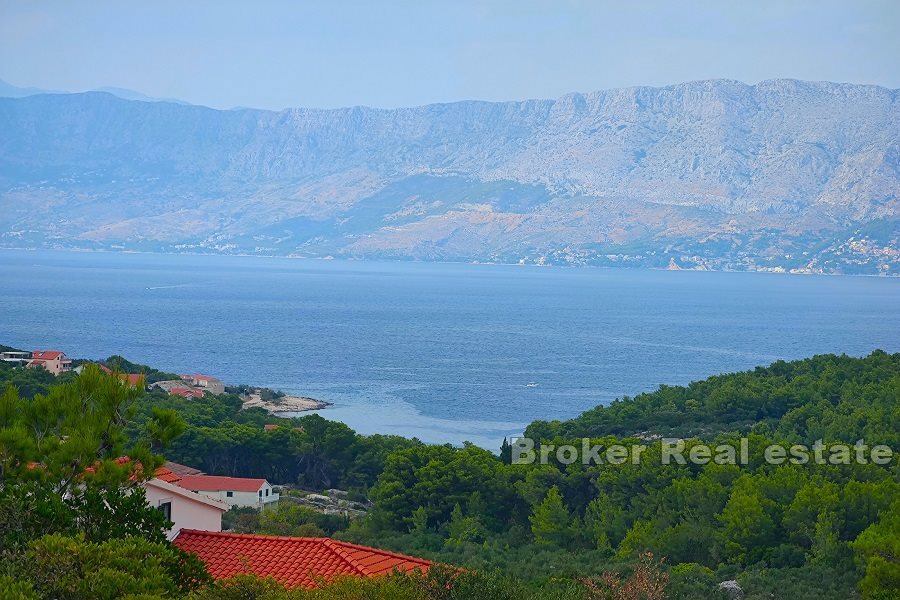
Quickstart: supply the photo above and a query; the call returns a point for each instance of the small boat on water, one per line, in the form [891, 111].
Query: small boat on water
[531, 384]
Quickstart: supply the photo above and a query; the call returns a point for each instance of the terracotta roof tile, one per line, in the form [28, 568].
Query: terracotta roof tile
[199, 377]
[217, 483]
[294, 562]
[134, 379]
[180, 469]
[167, 475]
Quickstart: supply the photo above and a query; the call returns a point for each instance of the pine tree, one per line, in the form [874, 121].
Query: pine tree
[551, 522]
[878, 550]
[506, 452]
[419, 521]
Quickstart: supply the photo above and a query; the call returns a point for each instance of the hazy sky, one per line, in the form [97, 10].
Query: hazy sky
[330, 53]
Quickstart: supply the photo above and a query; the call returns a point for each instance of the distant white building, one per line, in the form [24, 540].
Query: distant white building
[205, 382]
[236, 491]
[14, 356]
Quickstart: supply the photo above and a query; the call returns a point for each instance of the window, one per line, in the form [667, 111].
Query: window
[166, 509]
[260, 493]
[267, 492]
[229, 494]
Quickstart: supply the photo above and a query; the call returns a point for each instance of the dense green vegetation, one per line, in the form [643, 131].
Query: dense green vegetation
[825, 397]
[309, 451]
[774, 527]
[151, 375]
[73, 521]
[810, 530]
[287, 518]
[29, 382]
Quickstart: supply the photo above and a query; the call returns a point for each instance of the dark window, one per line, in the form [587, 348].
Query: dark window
[229, 494]
[166, 509]
[267, 492]
[260, 493]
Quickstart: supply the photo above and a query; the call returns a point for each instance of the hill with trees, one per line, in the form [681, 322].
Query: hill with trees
[813, 529]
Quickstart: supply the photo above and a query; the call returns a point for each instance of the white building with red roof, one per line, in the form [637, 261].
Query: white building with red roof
[236, 491]
[53, 360]
[185, 392]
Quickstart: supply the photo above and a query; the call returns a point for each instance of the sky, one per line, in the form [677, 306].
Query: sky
[389, 53]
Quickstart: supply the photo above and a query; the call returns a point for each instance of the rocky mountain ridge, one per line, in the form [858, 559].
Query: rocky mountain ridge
[782, 175]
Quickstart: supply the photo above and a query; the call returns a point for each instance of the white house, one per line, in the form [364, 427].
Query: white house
[186, 509]
[205, 382]
[15, 356]
[236, 491]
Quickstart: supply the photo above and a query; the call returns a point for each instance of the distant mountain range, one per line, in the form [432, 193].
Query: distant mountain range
[7, 90]
[784, 175]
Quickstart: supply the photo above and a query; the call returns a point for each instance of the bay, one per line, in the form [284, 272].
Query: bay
[444, 352]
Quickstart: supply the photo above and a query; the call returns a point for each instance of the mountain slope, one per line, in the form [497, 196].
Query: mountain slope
[711, 174]
[8, 90]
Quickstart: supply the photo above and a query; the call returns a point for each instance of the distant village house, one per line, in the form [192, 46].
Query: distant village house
[236, 491]
[179, 387]
[53, 360]
[205, 382]
[15, 356]
[132, 379]
[192, 386]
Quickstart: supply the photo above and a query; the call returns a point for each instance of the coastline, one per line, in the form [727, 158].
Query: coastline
[283, 404]
[447, 262]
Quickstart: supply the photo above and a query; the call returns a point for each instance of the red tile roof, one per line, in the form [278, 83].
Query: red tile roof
[181, 470]
[46, 354]
[292, 561]
[121, 460]
[199, 377]
[132, 378]
[167, 475]
[218, 483]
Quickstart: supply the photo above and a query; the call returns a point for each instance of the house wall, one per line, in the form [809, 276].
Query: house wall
[186, 514]
[214, 387]
[52, 366]
[57, 365]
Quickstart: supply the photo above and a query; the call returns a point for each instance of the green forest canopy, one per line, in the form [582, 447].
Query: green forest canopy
[798, 531]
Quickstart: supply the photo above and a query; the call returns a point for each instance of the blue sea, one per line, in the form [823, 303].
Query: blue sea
[443, 352]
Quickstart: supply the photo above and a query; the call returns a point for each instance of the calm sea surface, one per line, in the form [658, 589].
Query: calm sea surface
[444, 352]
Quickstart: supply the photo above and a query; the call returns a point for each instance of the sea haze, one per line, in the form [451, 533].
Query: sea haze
[444, 352]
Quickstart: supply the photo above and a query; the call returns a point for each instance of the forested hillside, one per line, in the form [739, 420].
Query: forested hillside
[829, 397]
[815, 529]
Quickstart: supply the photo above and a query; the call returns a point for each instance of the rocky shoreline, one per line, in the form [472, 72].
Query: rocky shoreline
[282, 404]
